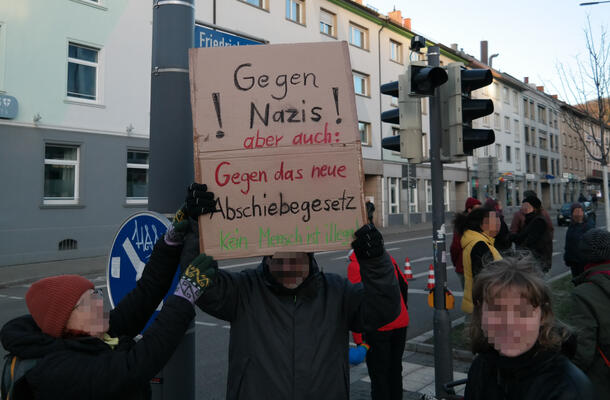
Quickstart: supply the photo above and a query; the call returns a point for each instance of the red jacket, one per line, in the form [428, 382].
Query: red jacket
[456, 253]
[353, 274]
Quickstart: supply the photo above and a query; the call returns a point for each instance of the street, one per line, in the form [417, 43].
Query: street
[213, 335]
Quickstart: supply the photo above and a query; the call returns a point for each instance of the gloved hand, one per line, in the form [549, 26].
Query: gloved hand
[196, 277]
[368, 243]
[358, 353]
[198, 201]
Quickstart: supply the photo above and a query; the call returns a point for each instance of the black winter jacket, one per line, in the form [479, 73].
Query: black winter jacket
[537, 238]
[534, 375]
[86, 367]
[571, 256]
[293, 344]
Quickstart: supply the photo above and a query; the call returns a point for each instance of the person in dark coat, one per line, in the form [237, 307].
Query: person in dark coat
[516, 340]
[290, 321]
[84, 353]
[459, 224]
[502, 240]
[579, 224]
[518, 221]
[535, 236]
[589, 315]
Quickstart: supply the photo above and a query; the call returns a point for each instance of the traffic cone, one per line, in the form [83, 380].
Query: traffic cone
[430, 278]
[408, 272]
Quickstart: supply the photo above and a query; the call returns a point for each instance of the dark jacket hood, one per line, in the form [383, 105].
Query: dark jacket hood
[307, 288]
[22, 337]
[599, 275]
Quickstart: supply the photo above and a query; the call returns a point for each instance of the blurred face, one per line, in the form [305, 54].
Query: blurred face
[491, 224]
[289, 268]
[510, 323]
[527, 208]
[88, 316]
[578, 215]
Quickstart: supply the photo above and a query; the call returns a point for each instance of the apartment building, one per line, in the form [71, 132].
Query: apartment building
[577, 175]
[74, 151]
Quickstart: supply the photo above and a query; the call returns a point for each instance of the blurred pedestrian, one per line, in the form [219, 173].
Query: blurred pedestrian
[518, 221]
[502, 240]
[579, 224]
[516, 340]
[82, 352]
[385, 346]
[535, 235]
[459, 223]
[590, 314]
[482, 225]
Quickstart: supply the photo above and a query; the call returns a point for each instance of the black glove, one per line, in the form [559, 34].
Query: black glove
[199, 201]
[368, 243]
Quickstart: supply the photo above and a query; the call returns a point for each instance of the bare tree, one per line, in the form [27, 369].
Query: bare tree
[586, 90]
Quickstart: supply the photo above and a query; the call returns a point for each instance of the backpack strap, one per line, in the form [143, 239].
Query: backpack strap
[13, 375]
[603, 356]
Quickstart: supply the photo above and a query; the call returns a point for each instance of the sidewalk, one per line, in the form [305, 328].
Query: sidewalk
[418, 377]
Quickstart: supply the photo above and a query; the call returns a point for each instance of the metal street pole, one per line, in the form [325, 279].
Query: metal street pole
[443, 362]
[171, 156]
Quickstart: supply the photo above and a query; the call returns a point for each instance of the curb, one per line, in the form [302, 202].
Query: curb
[418, 345]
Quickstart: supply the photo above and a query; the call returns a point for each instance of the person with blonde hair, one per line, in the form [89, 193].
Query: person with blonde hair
[516, 339]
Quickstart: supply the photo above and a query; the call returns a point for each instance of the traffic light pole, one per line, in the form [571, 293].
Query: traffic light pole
[171, 156]
[443, 362]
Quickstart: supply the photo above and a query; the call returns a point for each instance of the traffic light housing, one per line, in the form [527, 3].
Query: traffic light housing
[458, 109]
[419, 80]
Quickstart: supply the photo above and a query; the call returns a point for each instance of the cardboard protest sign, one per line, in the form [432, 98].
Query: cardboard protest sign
[276, 140]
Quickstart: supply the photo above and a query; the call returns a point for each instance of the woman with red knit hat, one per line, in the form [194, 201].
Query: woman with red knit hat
[81, 352]
[458, 229]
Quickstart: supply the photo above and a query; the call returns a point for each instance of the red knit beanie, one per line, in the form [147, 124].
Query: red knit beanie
[471, 202]
[52, 300]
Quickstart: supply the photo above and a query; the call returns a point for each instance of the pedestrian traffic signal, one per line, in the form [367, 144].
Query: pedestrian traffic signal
[458, 109]
[419, 80]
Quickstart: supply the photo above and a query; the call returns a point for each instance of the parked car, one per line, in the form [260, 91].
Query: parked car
[564, 214]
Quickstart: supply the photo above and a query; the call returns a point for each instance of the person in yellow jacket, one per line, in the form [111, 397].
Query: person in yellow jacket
[482, 226]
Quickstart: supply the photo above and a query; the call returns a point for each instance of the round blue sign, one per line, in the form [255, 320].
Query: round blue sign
[130, 251]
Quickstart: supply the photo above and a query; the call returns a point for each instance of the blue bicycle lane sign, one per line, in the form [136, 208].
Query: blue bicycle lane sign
[130, 251]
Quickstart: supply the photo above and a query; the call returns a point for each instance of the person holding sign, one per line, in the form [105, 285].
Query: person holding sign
[69, 348]
[290, 322]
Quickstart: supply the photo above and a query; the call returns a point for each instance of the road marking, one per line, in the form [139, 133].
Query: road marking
[3, 295]
[205, 323]
[426, 272]
[421, 259]
[227, 326]
[15, 297]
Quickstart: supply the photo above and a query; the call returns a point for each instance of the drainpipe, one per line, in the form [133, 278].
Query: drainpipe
[383, 208]
[214, 12]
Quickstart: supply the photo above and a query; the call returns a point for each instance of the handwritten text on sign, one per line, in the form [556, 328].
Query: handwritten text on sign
[276, 140]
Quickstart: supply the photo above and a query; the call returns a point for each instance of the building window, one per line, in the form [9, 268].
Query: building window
[328, 23]
[515, 102]
[542, 115]
[528, 168]
[518, 158]
[395, 51]
[61, 170]
[516, 130]
[486, 121]
[413, 197]
[394, 195]
[526, 113]
[361, 84]
[295, 11]
[533, 136]
[507, 124]
[137, 176]
[496, 91]
[544, 167]
[543, 143]
[358, 36]
[497, 121]
[508, 155]
[505, 95]
[446, 195]
[365, 133]
[82, 71]
[526, 131]
[499, 152]
[534, 164]
[256, 3]
[532, 111]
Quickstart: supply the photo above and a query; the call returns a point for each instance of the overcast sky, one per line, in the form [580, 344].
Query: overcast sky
[531, 36]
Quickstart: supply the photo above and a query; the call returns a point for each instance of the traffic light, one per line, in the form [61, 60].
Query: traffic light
[458, 109]
[419, 80]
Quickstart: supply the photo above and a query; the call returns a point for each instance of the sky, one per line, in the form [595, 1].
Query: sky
[531, 37]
